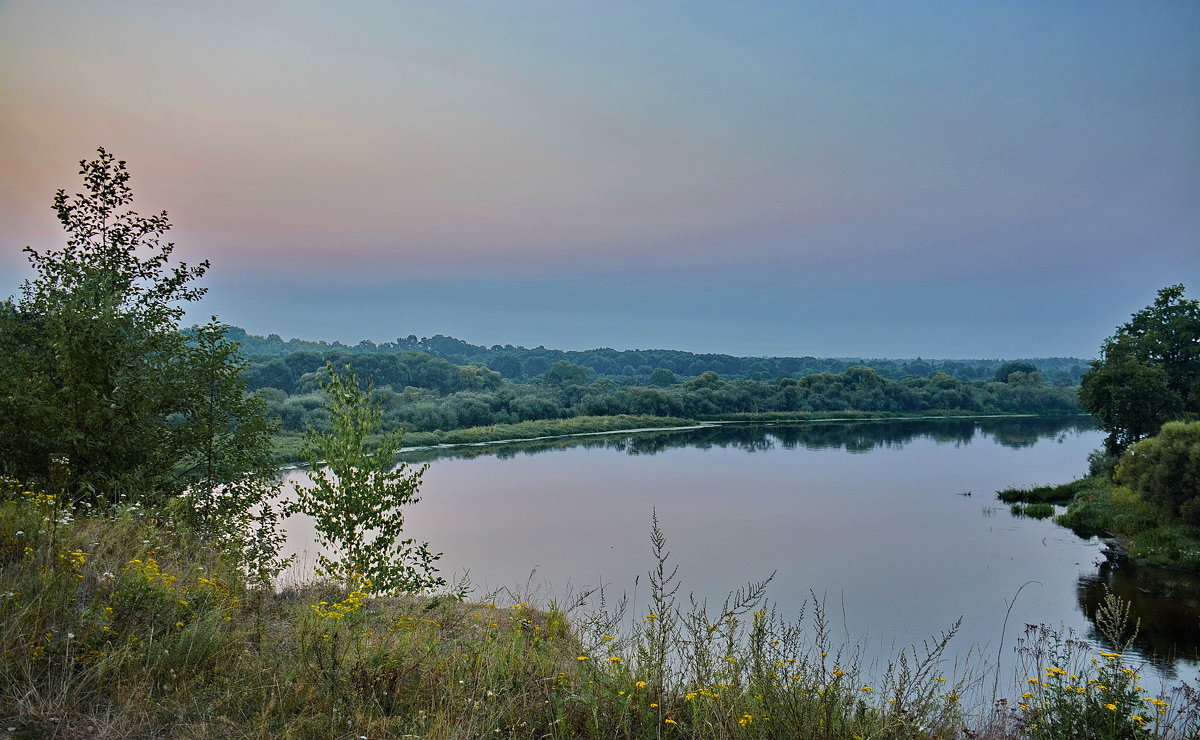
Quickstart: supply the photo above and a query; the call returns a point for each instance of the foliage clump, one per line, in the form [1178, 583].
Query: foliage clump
[1165, 470]
[1144, 485]
[105, 389]
[1059, 494]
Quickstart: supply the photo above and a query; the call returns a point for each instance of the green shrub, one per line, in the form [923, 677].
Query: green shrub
[1165, 469]
[1060, 494]
[1104, 507]
[1039, 511]
[1174, 545]
[357, 495]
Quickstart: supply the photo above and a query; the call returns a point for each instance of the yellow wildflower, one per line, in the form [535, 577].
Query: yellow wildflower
[348, 605]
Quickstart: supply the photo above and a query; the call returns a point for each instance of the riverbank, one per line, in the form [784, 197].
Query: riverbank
[1133, 528]
[130, 626]
[1140, 531]
[288, 448]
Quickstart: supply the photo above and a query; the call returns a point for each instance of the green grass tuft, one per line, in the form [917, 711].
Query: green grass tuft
[1039, 511]
[1060, 494]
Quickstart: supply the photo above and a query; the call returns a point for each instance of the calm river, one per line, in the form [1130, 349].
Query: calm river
[893, 524]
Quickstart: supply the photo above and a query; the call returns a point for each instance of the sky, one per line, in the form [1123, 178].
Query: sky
[900, 179]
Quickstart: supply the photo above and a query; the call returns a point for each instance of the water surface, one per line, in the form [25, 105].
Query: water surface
[894, 525]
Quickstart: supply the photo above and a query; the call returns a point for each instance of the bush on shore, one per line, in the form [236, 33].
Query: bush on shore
[1150, 534]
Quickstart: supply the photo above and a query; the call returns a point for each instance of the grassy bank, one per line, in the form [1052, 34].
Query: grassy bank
[852, 415]
[1148, 534]
[1098, 506]
[128, 626]
[1060, 494]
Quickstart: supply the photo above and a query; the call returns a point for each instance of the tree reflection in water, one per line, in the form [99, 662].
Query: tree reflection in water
[853, 436]
[1166, 601]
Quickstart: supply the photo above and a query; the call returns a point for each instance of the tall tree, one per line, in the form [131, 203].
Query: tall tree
[101, 383]
[563, 373]
[1014, 366]
[223, 436]
[1148, 372]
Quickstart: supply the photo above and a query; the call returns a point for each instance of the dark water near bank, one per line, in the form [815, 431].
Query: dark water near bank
[872, 518]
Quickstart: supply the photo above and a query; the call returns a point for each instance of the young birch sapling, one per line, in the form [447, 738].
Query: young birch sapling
[357, 495]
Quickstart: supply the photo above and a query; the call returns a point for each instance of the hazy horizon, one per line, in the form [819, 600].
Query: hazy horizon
[969, 180]
[333, 342]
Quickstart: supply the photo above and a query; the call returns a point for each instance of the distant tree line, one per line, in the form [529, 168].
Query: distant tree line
[646, 366]
[424, 393]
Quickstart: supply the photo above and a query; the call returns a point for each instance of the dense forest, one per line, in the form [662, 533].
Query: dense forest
[442, 383]
[640, 366]
[422, 392]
